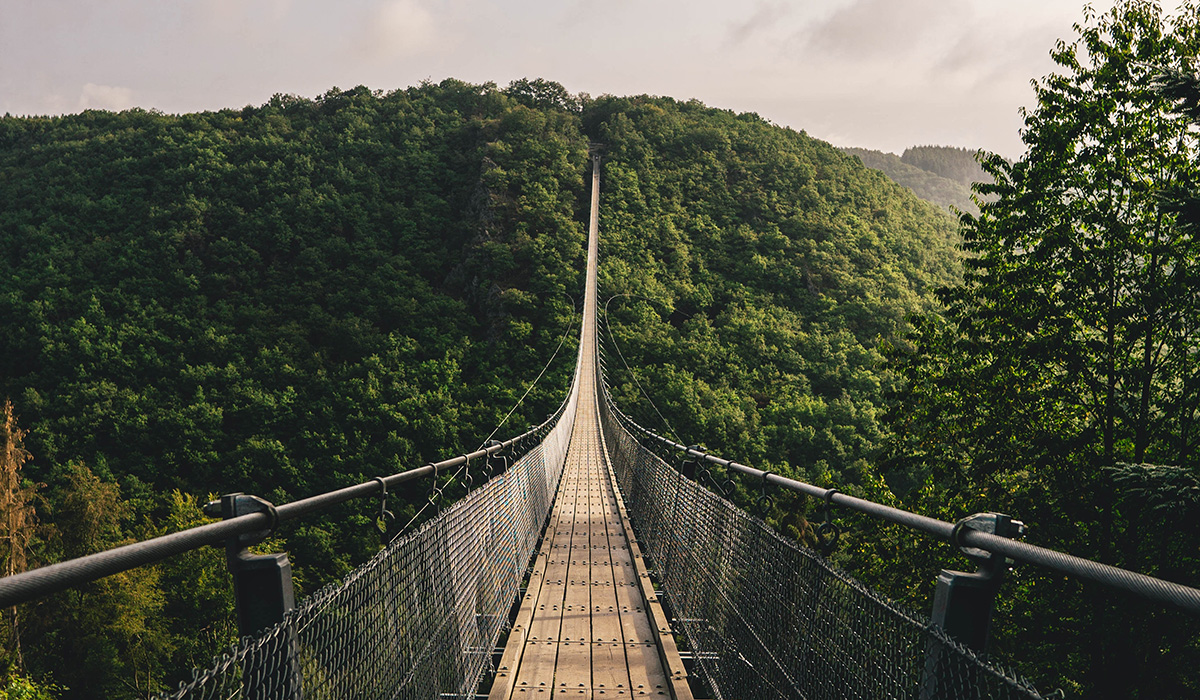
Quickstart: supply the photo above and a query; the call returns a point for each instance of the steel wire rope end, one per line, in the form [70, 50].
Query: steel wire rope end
[991, 523]
[235, 505]
[262, 583]
[828, 533]
[385, 516]
[963, 602]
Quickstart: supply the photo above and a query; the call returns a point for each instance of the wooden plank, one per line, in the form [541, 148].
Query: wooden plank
[610, 670]
[576, 613]
[573, 670]
[537, 667]
[606, 619]
[547, 616]
[511, 659]
[532, 673]
[646, 677]
[606, 613]
[669, 671]
[506, 670]
[635, 620]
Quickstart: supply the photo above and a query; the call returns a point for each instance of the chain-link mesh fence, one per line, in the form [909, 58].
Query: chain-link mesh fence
[768, 618]
[421, 618]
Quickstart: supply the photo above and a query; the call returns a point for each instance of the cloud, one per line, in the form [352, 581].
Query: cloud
[982, 58]
[931, 46]
[108, 97]
[890, 73]
[871, 28]
[399, 28]
[765, 17]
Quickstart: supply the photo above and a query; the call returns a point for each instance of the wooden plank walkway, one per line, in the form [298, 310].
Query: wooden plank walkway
[590, 625]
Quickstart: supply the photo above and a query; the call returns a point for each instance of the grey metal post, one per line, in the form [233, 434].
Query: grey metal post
[263, 595]
[963, 602]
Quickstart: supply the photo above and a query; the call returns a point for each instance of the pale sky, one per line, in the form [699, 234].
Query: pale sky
[883, 74]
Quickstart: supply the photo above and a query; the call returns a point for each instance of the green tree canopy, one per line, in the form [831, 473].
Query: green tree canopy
[763, 269]
[279, 300]
[1072, 346]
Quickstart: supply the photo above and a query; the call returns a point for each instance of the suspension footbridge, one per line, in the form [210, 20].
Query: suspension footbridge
[590, 625]
[592, 562]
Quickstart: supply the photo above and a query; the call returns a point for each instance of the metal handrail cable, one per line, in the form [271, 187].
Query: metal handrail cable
[36, 583]
[1145, 586]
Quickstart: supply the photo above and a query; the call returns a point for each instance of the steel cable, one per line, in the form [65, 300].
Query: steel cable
[766, 617]
[418, 620]
[1185, 597]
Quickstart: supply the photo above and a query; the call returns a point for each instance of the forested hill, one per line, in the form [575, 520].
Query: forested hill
[765, 269]
[288, 298]
[278, 300]
[939, 174]
[285, 297]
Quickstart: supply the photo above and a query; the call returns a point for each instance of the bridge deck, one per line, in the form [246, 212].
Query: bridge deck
[590, 625]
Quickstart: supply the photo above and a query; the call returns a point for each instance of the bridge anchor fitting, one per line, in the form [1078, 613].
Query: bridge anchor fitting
[263, 595]
[262, 583]
[963, 602]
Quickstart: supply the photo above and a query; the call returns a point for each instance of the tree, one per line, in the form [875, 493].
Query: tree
[542, 94]
[198, 595]
[106, 638]
[1072, 344]
[1182, 88]
[21, 688]
[18, 521]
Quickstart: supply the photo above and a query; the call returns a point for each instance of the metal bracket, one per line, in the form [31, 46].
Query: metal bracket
[688, 464]
[435, 493]
[385, 517]
[262, 583]
[963, 602]
[496, 463]
[765, 502]
[234, 505]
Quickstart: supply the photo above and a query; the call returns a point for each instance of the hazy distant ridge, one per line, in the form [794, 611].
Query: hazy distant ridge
[938, 174]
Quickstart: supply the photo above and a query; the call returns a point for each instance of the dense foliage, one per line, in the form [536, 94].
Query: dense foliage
[288, 298]
[278, 300]
[1063, 385]
[958, 164]
[763, 269]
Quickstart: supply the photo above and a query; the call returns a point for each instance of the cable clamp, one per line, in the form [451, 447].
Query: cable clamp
[235, 505]
[765, 502]
[435, 493]
[997, 524]
[494, 459]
